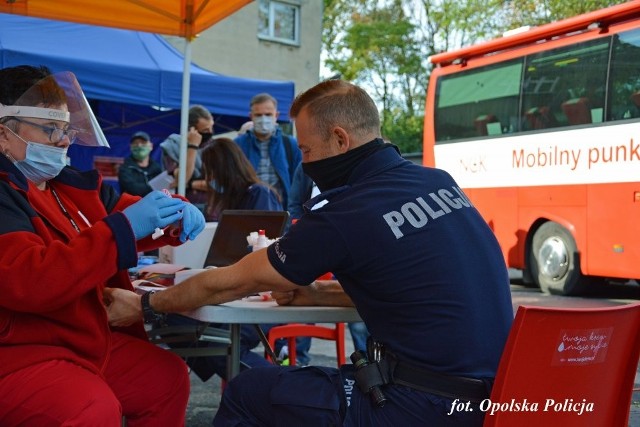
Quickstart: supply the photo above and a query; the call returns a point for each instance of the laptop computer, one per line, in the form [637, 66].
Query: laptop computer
[229, 243]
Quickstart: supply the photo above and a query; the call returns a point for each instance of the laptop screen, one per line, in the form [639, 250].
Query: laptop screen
[229, 242]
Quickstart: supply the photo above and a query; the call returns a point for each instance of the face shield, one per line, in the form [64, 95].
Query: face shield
[47, 100]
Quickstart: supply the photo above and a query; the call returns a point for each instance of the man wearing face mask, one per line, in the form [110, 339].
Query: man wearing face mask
[200, 124]
[409, 251]
[64, 237]
[136, 171]
[273, 154]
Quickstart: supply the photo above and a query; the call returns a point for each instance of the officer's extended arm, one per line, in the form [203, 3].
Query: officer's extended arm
[320, 292]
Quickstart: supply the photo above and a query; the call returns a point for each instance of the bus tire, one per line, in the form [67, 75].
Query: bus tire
[554, 261]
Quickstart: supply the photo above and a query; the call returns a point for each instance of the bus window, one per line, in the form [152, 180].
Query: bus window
[566, 86]
[625, 76]
[478, 102]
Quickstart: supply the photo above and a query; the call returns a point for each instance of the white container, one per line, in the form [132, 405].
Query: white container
[261, 242]
[192, 253]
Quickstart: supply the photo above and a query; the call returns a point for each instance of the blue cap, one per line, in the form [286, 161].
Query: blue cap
[140, 135]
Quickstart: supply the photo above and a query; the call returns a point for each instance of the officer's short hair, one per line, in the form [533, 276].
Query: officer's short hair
[338, 103]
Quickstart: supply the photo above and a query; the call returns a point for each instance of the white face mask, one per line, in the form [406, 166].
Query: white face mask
[264, 125]
[42, 162]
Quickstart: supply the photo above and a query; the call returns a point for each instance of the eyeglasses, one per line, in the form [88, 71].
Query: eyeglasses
[55, 134]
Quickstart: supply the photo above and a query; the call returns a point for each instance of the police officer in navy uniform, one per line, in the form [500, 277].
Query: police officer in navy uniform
[411, 253]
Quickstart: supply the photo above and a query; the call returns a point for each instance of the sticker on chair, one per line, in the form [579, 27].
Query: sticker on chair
[582, 346]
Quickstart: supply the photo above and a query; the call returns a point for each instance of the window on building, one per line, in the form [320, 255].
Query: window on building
[279, 21]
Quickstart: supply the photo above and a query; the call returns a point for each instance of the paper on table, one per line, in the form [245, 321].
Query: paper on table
[161, 181]
[161, 268]
[142, 286]
[160, 273]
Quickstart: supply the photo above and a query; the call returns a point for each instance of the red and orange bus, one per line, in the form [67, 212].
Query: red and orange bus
[542, 130]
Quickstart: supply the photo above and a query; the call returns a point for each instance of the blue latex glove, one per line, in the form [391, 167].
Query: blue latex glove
[192, 222]
[155, 210]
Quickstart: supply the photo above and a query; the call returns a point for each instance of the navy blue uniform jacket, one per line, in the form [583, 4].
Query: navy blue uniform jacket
[419, 262]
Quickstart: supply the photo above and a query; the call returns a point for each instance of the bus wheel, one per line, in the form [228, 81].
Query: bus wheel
[554, 261]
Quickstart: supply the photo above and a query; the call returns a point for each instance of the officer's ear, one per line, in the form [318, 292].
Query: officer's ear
[341, 138]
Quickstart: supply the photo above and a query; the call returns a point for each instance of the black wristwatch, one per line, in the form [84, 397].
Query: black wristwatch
[149, 315]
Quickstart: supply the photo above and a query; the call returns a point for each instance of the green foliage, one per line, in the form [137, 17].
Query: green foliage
[377, 48]
[404, 130]
[383, 45]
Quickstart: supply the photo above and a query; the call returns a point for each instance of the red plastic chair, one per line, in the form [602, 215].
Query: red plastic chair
[293, 330]
[577, 111]
[540, 118]
[481, 123]
[567, 360]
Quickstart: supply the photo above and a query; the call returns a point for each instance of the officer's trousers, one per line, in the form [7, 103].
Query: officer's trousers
[321, 396]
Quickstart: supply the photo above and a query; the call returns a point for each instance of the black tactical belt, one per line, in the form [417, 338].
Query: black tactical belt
[453, 387]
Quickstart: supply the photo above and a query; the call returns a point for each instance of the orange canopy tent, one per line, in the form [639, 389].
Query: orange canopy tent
[184, 18]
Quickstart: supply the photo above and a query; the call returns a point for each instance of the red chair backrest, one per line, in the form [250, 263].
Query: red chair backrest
[540, 118]
[577, 111]
[291, 331]
[481, 123]
[577, 364]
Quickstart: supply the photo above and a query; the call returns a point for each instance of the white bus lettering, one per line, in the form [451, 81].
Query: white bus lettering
[615, 154]
[554, 157]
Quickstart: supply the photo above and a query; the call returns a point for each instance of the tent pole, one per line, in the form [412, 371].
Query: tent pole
[184, 118]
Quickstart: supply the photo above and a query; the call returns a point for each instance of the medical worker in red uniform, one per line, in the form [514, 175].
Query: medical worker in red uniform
[64, 237]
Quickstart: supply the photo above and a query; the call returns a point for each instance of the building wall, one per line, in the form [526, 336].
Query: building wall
[232, 47]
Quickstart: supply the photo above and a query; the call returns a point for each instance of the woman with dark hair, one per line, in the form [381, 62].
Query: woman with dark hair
[233, 181]
[233, 184]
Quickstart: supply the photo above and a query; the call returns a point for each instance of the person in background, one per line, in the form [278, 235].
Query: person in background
[64, 236]
[232, 181]
[136, 171]
[273, 154]
[410, 252]
[200, 132]
[233, 185]
[302, 189]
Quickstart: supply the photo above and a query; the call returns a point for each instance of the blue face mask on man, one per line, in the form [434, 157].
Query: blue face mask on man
[42, 162]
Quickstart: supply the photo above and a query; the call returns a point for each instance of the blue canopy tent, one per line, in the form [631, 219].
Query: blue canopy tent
[132, 79]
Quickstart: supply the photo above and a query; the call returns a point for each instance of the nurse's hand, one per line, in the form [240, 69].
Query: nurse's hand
[193, 222]
[155, 210]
